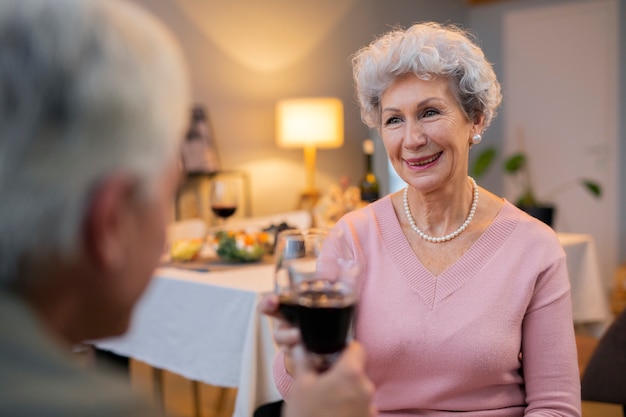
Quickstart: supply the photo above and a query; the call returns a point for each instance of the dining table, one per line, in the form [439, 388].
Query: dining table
[590, 297]
[202, 321]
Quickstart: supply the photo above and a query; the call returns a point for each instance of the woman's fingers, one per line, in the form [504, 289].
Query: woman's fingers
[269, 305]
[285, 335]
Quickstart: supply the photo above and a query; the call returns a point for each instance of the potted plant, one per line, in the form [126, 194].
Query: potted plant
[516, 165]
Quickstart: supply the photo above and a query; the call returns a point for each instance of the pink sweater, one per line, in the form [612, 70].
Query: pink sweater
[491, 336]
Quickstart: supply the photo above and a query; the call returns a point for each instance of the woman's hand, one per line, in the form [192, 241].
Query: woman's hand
[286, 336]
[342, 391]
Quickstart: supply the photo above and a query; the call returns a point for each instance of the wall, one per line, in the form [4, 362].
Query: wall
[239, 92]
[487, 21]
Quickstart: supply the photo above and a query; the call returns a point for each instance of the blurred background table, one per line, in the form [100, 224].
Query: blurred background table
[206, 327]
[590, 300]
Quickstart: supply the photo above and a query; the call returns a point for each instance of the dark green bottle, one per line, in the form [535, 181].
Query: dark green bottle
[369, 183]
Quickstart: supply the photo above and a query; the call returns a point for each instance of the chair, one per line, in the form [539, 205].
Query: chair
[269, 410]
[604, 379]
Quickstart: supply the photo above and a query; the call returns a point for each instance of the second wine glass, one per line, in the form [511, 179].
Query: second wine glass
[303, 244]
[317, 292]
[223, 198]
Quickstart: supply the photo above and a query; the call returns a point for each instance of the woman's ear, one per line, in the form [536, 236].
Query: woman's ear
[479, 122]
[107, 222]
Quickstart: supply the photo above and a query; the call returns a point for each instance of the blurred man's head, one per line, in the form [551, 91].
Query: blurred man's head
[93, 101]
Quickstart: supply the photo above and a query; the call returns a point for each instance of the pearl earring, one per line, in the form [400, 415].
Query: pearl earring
[476, 139]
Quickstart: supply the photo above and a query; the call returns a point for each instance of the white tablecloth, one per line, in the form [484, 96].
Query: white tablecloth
[590, 301]
[206, 327]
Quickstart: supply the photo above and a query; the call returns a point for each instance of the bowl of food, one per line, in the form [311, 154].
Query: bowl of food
[184, 250]
[240, 245]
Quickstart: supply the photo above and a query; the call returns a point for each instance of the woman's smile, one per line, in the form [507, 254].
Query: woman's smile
[422, 163]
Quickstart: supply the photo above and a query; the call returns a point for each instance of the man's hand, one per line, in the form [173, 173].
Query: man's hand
[342, 391]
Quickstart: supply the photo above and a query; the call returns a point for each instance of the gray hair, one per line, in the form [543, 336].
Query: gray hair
[427, 50]
[87, 88]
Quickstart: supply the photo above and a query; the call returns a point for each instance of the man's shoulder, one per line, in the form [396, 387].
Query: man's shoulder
[49, 388]
[39, 378]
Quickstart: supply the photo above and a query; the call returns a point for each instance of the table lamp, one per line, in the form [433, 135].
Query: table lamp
[309, 123]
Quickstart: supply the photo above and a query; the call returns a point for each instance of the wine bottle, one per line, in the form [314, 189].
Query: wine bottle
[369, 183]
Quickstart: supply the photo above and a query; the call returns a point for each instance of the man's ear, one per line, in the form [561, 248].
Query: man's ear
[107, 222]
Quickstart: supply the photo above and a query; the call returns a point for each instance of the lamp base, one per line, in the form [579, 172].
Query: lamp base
[308, 199]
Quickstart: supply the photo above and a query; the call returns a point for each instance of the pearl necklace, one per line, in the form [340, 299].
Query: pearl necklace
[450, 236]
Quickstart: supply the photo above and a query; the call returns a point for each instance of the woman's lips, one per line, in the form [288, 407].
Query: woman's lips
[423, 162]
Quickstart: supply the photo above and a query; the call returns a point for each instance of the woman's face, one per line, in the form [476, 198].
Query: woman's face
[425, 132]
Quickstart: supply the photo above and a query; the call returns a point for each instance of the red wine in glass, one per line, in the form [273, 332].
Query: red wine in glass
[223, 198]
[324, 312]
[224, 211]
[324, 316]
[288, 306]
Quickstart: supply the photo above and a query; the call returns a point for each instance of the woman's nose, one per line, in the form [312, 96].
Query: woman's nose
[414, 135]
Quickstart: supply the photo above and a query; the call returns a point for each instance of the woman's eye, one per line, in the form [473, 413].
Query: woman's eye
[392, 120]
[430, 113]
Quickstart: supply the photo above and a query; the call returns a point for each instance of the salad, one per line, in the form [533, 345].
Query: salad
[240, 246]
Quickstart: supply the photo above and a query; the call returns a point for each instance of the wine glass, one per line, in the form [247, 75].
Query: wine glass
[305, 244]
[223, 198]
[317, 292]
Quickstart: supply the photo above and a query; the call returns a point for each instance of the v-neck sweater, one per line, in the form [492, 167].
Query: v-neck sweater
[490, 336]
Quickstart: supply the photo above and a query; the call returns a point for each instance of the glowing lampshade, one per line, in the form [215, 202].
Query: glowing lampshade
[309, 123]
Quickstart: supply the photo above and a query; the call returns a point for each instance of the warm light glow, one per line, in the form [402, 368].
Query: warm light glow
[267, 35]
[305, 122]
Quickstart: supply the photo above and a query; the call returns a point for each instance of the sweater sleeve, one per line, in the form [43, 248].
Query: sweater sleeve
[282, 379]
[549, 355]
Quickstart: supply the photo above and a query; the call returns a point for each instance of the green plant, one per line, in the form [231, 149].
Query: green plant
[517, 165]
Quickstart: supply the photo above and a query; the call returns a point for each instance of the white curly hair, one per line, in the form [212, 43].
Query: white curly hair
[427, 50]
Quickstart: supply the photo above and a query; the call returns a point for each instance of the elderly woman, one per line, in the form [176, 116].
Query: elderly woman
[93, 103]
[465, 306]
